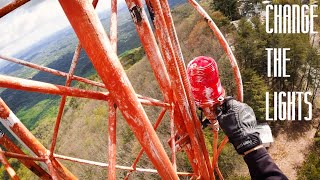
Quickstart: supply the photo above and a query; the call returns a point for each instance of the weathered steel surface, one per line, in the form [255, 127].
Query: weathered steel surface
[97, 45]
[49, 70]
[11, 6]
[112, 140]
[113, 25]
[101, 164]
[150, 46]
[74, 62]
[155, 126]
[7, 166]
[13, 124]
[6, 142]
[224, 44]
[190, 120]
[154, 56]
[47, 88]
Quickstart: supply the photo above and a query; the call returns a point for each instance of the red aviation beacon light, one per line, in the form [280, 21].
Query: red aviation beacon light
[205, 82]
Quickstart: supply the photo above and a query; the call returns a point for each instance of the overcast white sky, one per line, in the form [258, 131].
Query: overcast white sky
[32, 22]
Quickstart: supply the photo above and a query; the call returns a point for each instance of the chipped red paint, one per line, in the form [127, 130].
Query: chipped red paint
[173, 141]
[70, 75]
[155, 126]
[113, 25]
[11, 6]
[169, 70]
[112, 140]
[10, 146]
[74, 62]
[151, 48]
[4, 110]
[192, 124]
[182, 130]
[28, 138]
[225, 46]
[97, 45]
[182, 70]
[47, 88]
[7, 166]
[51, 71]
[101, 164]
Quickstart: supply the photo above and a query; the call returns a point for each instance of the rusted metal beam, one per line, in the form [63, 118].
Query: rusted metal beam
[51, 71]
[47, 88]
[101, 164]
[94, 40]
[215, 154]
[224, 45]
[70, 76]
[6, 142]
[173, 141]
[11, 6]
[112, 140]
[182, 70]
[154, 56]
[196, 136]
[151, 47]
[182, 130]
[222, 144]
[155, 126]
[7, 166]
[74, 62]
[52, 170]
[14, 125]
[154, 103]
[113, 25]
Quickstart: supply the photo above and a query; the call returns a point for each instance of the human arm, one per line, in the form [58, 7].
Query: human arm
[238, 122]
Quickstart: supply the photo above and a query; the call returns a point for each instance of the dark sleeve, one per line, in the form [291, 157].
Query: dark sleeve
[261, 166]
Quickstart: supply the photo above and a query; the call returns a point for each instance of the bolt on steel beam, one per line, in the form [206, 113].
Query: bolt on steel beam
[14, 125]
[11, 6]
[94, 40]
[6, 142]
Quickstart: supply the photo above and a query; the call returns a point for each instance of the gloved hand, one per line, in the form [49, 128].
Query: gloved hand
[238, 122]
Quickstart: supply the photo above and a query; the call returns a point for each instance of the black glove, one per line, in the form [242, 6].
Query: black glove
[238, 122]
[205, 123]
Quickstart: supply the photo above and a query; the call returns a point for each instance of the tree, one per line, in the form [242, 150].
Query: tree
[228, 7]
[255, 90]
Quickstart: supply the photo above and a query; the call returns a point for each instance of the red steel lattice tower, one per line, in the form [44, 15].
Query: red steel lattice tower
[166, 60]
